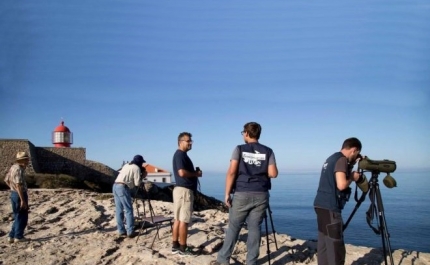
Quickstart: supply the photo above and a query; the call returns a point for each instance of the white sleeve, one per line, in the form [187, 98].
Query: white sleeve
[136, 176]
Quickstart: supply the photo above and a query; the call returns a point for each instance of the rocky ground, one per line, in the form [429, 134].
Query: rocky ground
[78, 227]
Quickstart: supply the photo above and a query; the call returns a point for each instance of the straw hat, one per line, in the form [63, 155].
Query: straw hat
[22, 156]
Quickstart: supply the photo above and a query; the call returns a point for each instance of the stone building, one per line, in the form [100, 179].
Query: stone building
[60, 159]
[53, 160]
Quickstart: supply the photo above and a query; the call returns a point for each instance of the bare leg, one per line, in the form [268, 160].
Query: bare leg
[175, 232]
[183, 233]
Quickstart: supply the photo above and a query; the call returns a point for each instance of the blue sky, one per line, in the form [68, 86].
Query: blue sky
[128, 76]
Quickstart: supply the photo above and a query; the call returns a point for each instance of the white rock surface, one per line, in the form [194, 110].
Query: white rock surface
[78, 227]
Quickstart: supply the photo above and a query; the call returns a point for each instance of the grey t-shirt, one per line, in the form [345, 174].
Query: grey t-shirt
[342, 166]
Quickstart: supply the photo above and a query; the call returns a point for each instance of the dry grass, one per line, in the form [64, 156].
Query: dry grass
[56, 181]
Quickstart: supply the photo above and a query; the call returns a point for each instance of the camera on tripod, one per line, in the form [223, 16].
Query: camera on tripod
[380, 166]
[376, 208]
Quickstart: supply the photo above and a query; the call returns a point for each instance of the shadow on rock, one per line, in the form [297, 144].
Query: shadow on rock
[201, 201]
[374, 257]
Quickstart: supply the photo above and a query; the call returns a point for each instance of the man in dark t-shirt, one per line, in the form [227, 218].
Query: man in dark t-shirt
[333, 192]
[186, 178]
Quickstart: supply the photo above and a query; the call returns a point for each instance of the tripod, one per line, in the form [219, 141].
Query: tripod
[141, 194]
[269, 213]
[152, 220]
[376, 209]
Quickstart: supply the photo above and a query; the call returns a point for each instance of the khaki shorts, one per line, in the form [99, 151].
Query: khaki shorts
[183, 200]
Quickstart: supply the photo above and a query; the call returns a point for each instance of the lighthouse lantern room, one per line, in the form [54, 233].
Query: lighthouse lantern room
[62, 136]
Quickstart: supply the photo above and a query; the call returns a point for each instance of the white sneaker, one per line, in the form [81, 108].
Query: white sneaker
[18, 240]
[10, 239]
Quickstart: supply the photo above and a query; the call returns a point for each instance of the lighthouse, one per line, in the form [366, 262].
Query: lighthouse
[62, 136]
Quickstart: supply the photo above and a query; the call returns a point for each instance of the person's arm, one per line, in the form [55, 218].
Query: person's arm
[144, 174]
[13, 185]
[15, 182]
[273, 169]
[341, 167]
[7, 184]
[230, 179]
[232, 175]
[181, 161]
[341, 181]
[7, 179]
[20, 190]
[183, 173]
[137, 176]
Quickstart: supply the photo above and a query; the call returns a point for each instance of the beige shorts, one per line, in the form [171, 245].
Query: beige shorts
[183, 200]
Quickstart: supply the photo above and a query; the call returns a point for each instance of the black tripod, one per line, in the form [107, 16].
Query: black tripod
[269, 213]
[151, 220]
[142, 194]
[376, 209]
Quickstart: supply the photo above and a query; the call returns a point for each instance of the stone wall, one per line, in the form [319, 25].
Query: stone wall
[61, 160]
[8, 150]
[55, 160]
[92, 169]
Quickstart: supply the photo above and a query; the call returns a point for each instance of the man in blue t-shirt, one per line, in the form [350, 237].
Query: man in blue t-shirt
[186, 178]
[252, 165]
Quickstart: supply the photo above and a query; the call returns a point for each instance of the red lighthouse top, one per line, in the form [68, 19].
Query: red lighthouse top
[62, 136]
[61, 128]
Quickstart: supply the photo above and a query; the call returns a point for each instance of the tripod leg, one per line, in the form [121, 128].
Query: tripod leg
[362, 198]
[140, 230]
[140, 190]
[273, 227]
[385, 236]
[267, 237]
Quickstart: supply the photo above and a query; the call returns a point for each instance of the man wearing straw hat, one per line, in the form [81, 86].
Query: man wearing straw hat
[19, 197]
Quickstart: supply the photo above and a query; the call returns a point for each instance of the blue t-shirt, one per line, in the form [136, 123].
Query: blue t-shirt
[182, 161]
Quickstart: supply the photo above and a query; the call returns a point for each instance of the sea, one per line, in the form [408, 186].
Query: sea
[406, 209]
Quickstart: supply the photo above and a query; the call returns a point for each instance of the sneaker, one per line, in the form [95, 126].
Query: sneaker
[18, 240]
[132, 235]
[187, 252]
[175, 250]
[215, 262]
[122, 234]
[10, 239]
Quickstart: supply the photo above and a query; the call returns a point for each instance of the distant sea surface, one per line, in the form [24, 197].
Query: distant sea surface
[406, 209]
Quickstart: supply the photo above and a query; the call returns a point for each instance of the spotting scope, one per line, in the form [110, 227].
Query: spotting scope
[378, 166]
[386, 166]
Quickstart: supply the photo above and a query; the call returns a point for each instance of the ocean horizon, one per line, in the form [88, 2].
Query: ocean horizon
[406, 208]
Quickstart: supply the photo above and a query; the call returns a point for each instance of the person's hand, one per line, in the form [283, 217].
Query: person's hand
[355, 175]
[199, 173]
[357, 160]
[24, 205]
[360, 157]
[227, 200]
